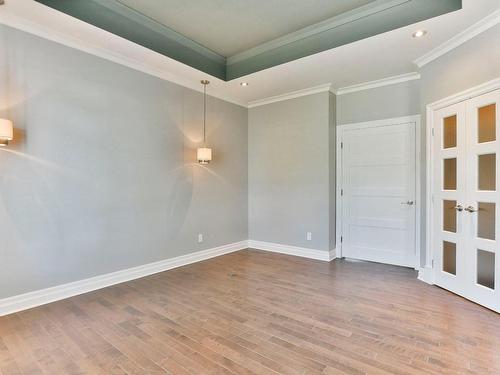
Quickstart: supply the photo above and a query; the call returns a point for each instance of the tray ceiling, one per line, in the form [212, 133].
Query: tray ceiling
[232, 38]
[228, 27]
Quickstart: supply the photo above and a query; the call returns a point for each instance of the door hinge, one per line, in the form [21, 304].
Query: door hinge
[432, 131]
[341, 192]
[432, 263]
[341, 144]
[341, 239]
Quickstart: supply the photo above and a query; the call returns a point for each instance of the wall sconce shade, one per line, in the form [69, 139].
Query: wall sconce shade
[6, 132]
[204, 155]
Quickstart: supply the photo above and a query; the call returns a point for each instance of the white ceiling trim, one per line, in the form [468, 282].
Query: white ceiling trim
[379, 83]
[45, 32]
[290, 95]
[480, 27]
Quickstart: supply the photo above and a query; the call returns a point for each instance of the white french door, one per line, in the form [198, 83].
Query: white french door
[466, 199]
[378, 203]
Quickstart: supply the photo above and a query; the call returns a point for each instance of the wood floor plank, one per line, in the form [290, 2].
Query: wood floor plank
[253, 312]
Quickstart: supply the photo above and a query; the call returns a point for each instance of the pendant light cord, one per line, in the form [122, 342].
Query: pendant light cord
[204, 112]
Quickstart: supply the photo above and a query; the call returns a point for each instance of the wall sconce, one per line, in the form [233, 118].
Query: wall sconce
[204, 154]
[6, 132]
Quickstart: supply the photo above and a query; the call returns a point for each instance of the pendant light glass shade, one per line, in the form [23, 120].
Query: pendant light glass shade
[6, 132]
[204, 154]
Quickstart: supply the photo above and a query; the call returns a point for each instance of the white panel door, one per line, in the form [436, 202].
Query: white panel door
[378, 200]
[466, 199]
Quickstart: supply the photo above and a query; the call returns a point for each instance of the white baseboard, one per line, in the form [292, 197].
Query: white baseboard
[41, 297]
[426, 274]
[293, 250]
[333, 254]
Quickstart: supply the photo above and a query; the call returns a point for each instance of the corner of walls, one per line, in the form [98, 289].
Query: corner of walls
[332, 162]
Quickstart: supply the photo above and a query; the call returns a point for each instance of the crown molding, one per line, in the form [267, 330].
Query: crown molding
[49, 33]
[478, 28]
[290, 95]
[328, 87]
[470, 93]
[379, 83]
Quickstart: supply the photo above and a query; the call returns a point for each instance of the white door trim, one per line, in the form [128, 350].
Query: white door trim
[373, 124]
[427, 272]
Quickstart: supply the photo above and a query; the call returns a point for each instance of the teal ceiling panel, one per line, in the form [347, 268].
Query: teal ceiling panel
[374, 18]
[395, 15]
[126, 23]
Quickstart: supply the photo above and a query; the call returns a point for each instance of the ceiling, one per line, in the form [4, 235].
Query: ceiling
[264, 33]
[228, 27]
[384, 55]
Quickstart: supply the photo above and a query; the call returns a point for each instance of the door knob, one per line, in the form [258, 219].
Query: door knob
[470, 209]
[409, 203]
[459, 208]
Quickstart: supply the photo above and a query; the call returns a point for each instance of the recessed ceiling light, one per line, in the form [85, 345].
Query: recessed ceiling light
[419, 33]
[244, 84]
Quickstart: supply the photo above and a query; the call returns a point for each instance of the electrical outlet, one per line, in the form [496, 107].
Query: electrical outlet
[200, 238]
[309, 236]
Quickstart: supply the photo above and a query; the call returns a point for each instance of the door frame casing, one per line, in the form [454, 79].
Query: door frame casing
[427, 271]
[341, 129]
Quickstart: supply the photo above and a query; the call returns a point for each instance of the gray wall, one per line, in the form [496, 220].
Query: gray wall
[288, 166]
[473, 63]
[402, 99]
[102, 174]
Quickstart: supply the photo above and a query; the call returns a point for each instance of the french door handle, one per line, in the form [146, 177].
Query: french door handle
[459, 208]
[470, 209]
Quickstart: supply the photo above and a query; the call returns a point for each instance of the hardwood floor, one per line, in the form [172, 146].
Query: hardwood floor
[253, 312]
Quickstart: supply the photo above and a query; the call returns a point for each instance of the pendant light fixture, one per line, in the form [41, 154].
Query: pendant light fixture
[204, 153]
